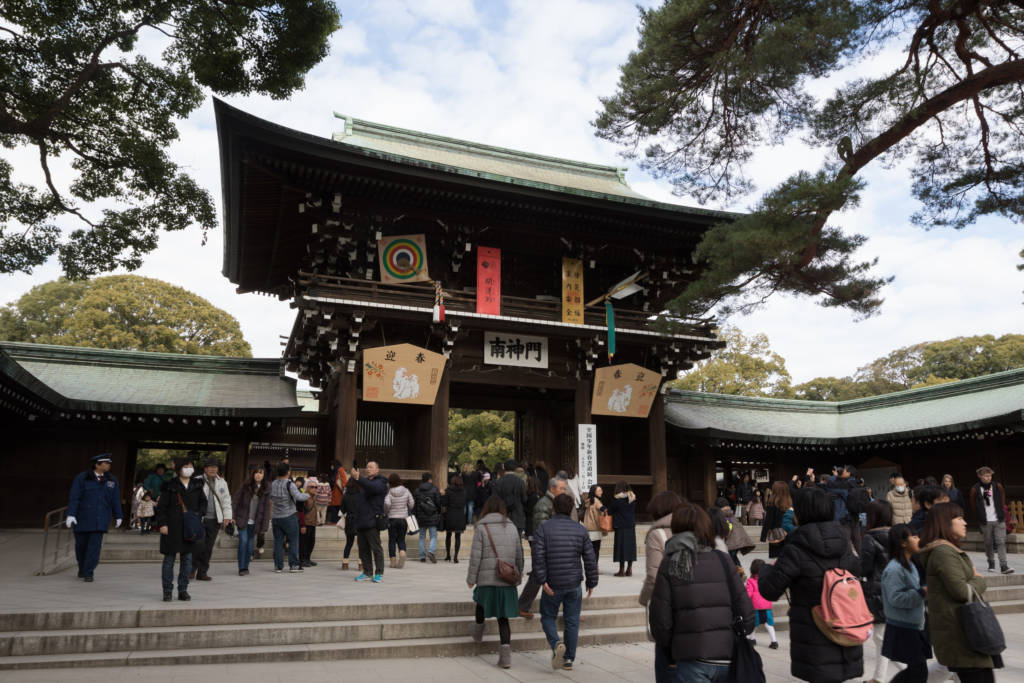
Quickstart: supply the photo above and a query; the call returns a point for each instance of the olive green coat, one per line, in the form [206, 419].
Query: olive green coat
[949, 572]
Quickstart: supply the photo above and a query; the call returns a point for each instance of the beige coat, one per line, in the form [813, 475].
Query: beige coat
[902, 506]
[654, 549]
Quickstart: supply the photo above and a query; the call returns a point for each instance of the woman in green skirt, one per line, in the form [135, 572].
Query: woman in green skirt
[494, 538]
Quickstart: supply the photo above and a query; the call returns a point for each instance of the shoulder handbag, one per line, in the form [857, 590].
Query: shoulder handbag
[981, 627]
[604, 521]
[506, 571]
[746, 665]
[192, 526]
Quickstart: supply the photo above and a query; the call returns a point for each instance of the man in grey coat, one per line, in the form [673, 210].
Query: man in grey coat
[559, 544]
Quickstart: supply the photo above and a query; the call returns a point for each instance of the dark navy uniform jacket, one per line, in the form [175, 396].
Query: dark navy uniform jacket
[94, 502]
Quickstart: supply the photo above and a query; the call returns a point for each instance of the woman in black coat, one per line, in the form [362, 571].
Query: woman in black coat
[816, 545]
[622, 508]
[454, 503]
[874, 556]
[185, 491]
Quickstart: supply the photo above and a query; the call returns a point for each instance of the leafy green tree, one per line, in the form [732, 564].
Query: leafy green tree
[842, 389]
[76, 82]
[486, 435]
[745, 367]
[125, 312]
[710, 82]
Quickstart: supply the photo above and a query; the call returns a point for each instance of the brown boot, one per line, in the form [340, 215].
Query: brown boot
[393, 563]
[401, 559]
[344, 565]
[629, 571]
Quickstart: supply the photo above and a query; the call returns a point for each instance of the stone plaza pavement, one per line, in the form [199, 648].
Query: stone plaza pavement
[128, 586]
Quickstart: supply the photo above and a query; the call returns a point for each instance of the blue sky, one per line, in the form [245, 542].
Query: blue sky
[527, 75]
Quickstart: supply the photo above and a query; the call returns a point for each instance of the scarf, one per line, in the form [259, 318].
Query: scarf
[681, 556]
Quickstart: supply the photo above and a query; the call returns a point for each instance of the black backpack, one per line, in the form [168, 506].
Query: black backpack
[425, 506]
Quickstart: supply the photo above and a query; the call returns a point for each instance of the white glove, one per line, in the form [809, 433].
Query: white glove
[117, 523]
[71, 521]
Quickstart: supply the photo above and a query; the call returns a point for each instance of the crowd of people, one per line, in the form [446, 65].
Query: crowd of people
[900, 549]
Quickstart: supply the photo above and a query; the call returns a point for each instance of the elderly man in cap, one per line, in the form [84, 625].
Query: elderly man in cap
[95, 499]
[218, 515]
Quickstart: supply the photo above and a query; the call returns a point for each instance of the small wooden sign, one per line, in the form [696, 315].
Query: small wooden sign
[572, 291]
[626, 390]
[403, 258]
[402, 373]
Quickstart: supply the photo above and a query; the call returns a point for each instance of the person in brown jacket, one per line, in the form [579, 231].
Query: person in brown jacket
[660, 509]
[902, 504]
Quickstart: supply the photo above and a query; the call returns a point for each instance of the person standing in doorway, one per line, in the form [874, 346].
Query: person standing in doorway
[370, 519]
[218, 516]
[181, 495]
[94, 500]
[428, 514]
[622, 508]
[988, 500]
[284, 519]
[251, 505]
[559, 546]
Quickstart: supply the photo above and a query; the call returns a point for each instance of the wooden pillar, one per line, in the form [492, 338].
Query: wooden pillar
[438, 453]
[656, 444]
[237, 463]
[582, 416]
[344, 418]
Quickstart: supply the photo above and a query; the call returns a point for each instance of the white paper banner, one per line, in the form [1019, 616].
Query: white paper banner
[502, 348]
[588, 456]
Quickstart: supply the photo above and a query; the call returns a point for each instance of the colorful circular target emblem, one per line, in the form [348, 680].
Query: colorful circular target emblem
[403, 259]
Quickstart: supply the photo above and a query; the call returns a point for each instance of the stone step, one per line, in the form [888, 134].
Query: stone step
[226, 616]
[414, 647]
[31, 643]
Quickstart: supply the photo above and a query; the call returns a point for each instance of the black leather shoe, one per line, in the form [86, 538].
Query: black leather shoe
[87, 579]
[204, 577]
[167, 597]
[184, 596]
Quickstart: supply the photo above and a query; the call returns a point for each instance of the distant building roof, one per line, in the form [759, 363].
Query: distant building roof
[970, 404]
[158, 383]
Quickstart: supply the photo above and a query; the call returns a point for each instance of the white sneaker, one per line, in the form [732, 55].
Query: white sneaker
[558, 656]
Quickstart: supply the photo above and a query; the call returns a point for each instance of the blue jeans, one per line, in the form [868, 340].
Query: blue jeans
[695, 671]
[246, 545]
[286, 526]
[469, 511]
[571, 600]
[423, 537]
[167, 572]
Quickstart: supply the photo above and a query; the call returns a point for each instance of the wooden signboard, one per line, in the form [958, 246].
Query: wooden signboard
[403, 258]
[624, 390]
[572, 291]
[402, 373]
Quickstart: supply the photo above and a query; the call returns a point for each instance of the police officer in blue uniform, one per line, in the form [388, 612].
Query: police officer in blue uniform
[95, 499]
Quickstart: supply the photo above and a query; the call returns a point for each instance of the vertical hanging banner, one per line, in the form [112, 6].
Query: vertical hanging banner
[403, 258]
[488, 280]
[587, 469]
[572, 291]
[609, 317]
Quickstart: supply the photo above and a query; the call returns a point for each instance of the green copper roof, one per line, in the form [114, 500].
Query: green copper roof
[160, 383]
[497, 163]
[942, 409]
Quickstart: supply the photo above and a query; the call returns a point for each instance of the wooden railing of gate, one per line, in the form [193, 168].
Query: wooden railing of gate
[58, 543]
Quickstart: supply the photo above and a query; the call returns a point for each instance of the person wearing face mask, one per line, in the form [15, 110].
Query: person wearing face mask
[94, 500]
[181, 494]
[902, 505]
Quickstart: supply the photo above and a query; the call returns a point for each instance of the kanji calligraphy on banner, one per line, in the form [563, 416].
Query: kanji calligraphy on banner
[402, 373]
[587, 469]
[572, 291]
[503, 348]
[624, 390]
[403, 258]
[488, 280]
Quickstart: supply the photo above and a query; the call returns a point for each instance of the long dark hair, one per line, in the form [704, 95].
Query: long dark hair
[897, 535]
[260, 489]
[719, 524]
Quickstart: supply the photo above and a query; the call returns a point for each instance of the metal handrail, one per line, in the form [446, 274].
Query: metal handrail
[62, 541]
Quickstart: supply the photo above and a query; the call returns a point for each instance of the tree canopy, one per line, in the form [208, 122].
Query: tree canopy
[486, 435]
[745, 367]
[78, 81]
[126, 312]
[710, 82]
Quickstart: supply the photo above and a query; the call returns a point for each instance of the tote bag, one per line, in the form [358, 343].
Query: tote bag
[981, 627]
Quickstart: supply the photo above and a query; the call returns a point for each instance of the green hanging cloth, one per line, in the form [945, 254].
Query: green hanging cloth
[609, 316]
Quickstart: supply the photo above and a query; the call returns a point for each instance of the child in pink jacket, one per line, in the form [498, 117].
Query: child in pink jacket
[762, 607]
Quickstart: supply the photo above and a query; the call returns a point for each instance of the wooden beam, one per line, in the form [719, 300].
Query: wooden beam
[656, 444]
[438, 453]
[344, 416]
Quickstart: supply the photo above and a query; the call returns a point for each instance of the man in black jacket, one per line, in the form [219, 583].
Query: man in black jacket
[371, 504]
[558, 546]
[512, 492]
[987, 501]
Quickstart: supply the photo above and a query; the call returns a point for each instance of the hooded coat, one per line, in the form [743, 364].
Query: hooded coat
[809, 551]
[950, 574]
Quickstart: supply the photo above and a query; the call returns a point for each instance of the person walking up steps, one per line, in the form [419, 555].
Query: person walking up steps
[399, 505]
[428, 514]
[495, 538]
[542, 512]
[762, 608]
[94, 500]
[559, 546]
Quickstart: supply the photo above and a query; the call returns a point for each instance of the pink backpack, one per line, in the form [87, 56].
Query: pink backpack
[843, 615]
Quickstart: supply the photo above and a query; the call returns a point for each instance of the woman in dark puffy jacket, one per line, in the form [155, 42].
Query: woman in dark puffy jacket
[815, 546]
[454, 503]
[693, 605]
[873, 561]
[179, 494]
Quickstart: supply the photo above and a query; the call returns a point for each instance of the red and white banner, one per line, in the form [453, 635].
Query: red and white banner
[488, 280]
